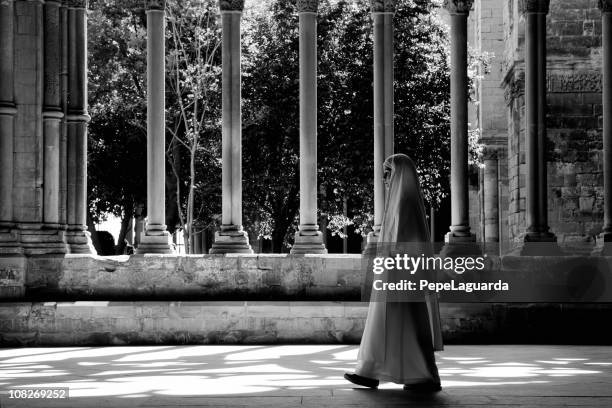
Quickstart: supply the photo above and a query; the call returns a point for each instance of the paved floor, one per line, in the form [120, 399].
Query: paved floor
[311, 376]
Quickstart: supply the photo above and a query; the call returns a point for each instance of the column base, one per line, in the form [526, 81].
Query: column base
[603, 245]
[79, 241]
[154, 244]
[39, 239]
[231, 240]
[308, 242]
[538, 244]
[460, 245]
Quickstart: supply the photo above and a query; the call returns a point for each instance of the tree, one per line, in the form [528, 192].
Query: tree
[117, 132]
[194, 69]
[345, 134]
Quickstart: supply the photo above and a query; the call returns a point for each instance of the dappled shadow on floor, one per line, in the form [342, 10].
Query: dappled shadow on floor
[297, 374]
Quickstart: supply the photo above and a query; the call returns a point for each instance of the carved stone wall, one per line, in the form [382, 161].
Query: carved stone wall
[575, 180]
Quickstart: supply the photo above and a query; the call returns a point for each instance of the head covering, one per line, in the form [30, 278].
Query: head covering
[404, 217]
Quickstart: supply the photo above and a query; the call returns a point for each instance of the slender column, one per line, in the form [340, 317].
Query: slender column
[606, 17]
[63, 153]
[7, 111]
[231, 238]
[77, 236]
[52, 114]
[308, 239]
[8, 238]
[382, 16]
[460, 223]
[155, 238]
[491, 195]
[535, 121]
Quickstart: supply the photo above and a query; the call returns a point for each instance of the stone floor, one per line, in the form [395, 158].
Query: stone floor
[302, 375]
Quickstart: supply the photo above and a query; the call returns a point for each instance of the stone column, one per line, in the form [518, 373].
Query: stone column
[63, 152]
[382, 16]
[535, 121]
[77, 236]
[52, 113]
[155, 238]
[460, 224]
[8, 237]
[231, 238]
[491, 195]
[308, 239]
[606, 17]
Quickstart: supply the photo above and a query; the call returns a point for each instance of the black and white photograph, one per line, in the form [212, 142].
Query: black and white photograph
[305, 203]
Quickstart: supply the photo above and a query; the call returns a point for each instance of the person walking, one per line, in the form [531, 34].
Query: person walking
[400, 336]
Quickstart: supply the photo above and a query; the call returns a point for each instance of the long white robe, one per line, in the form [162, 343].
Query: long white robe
[400, 337]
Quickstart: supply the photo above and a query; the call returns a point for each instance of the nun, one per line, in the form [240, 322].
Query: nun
[400, 335]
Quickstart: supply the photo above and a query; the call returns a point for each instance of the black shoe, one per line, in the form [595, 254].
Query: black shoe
[429, 386]
[359, 380]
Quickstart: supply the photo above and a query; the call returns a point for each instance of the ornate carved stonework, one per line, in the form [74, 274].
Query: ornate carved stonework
[578, 82]
[515, 88]
[155, 4]
[534, 6]
[382, 6]
[458, 6]
[77, 3]
[605, 6]
[307, 6]
[231, 5]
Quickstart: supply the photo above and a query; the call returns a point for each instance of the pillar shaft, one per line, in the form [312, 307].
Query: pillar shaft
[232, 120]
[77, 119]
[155, 238]
[460, 224]
[156, 124]
[531, 121]
[542, 171]
[231, 238]
[491, 197]
[52, 113]
[536, 215]
[63, 152]
[607, 116]
[308, 120]
[308, 239]
[7, 112]
[382, 16]
[603, 246]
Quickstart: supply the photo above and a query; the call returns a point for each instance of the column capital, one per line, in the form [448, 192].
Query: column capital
[155, 5]
[307, 6]
[231, 5]
[534, 6]
[77, 4]
[458, 6]
[382, 6]
[605, 6]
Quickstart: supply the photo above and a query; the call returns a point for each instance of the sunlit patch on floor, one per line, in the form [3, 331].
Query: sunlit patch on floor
[133, 373]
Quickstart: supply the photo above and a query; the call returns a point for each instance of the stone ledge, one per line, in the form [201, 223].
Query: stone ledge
[329, 277]
[126, 323]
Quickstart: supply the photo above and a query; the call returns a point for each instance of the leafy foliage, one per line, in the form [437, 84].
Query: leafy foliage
[270, 66]
[117, 132]
[345, 111]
